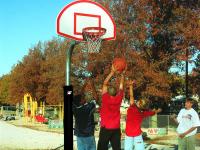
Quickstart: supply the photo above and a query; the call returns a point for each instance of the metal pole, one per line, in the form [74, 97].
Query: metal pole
[68, 62]
[68, 98]
[186, 74]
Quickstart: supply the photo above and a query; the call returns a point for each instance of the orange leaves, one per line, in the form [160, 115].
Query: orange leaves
[155, 31]
[158, 92]
[142, 36]
[147, 74]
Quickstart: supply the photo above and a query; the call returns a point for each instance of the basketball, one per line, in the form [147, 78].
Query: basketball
[119, 64]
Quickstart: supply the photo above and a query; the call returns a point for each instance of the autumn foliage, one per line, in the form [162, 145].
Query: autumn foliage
[152, 36]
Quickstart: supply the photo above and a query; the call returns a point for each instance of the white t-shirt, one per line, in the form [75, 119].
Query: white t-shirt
[187, 119]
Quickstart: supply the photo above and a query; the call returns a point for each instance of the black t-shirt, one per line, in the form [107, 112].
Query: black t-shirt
[84, 119]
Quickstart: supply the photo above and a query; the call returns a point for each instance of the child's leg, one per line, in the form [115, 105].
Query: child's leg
[81, 143]
[91, 144]
[129, 142]
[104, 138]
[115, 139]
[138, 143]
[191, 142]
[181, 143]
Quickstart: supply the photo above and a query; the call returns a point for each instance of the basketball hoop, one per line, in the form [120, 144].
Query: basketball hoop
[92, 37]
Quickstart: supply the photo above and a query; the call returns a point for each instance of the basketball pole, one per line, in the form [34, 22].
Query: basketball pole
[68, 98]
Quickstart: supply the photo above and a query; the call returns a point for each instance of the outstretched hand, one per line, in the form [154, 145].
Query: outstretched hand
[157, 110]
[124, 71]
[131, 82]
[113, 69]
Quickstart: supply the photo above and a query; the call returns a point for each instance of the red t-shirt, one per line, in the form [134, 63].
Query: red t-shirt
[110, 110]
[134, 120]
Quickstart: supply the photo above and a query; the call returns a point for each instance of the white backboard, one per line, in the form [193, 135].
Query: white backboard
[84, 13]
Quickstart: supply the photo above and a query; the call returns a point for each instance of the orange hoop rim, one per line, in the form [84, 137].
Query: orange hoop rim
[93, 31]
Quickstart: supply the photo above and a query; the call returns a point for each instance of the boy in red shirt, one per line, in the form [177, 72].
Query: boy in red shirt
[110, 114]
[135, 115]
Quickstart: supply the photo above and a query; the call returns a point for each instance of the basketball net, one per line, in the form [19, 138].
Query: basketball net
[92, 38]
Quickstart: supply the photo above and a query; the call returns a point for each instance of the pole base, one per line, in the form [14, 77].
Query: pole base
[68, 117]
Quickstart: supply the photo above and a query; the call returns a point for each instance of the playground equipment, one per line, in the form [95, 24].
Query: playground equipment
[42, 108]
[30, 107]
[37, 112]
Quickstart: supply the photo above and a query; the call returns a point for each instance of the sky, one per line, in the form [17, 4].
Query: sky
[23, 23]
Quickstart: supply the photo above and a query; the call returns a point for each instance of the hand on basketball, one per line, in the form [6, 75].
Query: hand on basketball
[124, 71]
[113, 69]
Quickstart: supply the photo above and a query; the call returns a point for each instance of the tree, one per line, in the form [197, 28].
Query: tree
[157, 33]
[16, 88]
[152, 35]
[25, 77]
[186, 27]
[41, 73]
[177, 85]
[136, 24]
[4, 86]
[53, 71]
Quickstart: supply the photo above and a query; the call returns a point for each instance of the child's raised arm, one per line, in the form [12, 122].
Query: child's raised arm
[130, 83]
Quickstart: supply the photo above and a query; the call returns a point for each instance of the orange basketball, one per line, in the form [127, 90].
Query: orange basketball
[119, 64]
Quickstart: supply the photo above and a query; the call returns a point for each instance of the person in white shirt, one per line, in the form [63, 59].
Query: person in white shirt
[188, 121]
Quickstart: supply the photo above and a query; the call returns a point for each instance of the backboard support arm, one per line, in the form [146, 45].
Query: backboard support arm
[68, 62]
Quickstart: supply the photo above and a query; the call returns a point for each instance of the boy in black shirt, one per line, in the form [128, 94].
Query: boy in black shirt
[83, 111]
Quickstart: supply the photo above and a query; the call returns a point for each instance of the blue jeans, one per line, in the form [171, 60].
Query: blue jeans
[86, 143]
[136, 142]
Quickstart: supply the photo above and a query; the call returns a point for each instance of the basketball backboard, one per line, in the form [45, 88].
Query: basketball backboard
[81, 14]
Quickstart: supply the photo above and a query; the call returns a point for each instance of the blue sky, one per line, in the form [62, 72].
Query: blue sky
[22, 24]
